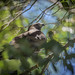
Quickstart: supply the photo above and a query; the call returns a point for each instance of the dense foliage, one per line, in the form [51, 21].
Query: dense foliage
[16, 16]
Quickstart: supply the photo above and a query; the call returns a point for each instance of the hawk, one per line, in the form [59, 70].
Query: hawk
[34, 36]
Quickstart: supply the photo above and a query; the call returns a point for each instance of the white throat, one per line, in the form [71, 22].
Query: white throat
[33, 30]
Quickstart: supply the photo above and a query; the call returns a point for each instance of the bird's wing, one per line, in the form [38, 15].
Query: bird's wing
[18, 38]
[36, 36]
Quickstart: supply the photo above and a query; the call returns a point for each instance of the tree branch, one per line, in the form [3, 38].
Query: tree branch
[43, 12]
[48, 58]
[21, 12]
[56, 11]
[69, 43]
[29, 70]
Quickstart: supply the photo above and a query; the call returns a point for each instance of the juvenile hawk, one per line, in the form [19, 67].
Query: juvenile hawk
[34, 35]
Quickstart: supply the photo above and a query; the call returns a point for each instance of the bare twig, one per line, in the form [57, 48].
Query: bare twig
[7, 24]
[43, 12]
[56, 11]
[40, 17]
[36, 18]
[50, 9]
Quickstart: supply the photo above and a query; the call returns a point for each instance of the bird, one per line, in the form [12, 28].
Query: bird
[33, 35]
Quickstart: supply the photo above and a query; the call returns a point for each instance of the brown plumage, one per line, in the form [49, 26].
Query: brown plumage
[34, 35]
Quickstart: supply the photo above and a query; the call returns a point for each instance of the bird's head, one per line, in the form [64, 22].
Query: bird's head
[36, 26]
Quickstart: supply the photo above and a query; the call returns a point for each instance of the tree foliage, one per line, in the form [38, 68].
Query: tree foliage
[60, 35]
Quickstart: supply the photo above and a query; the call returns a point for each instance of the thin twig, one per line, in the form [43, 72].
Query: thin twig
[43, 12]
[50, 9]
[40, 17]
[55, 11]
[63, 17]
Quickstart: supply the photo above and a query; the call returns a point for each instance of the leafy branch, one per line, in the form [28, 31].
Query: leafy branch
[4, 26]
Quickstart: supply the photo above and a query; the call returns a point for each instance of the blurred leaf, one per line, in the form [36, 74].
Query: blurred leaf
[13, 73]
[24, 64]
[1, 64]
[18, 22]
[11, 65]
[36, 72]
[65, 5]
[31, 62]
[26, 21]
[54, 46]
[50, 33]
[5, 55]
[1, 57]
